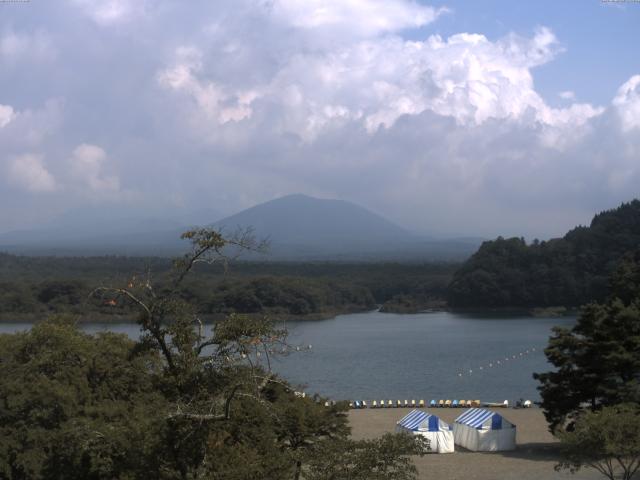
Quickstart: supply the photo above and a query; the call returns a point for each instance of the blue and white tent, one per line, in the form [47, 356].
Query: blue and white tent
[438, 433]
[482, 430]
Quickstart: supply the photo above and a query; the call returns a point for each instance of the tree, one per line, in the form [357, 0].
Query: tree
[303, 422]
[626, 281]
[606, 440]
[387, 457]
[184, 402]
[209, 389]
[76, 406]
[598, 360]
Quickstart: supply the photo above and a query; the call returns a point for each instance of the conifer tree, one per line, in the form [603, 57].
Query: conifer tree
[598, 360]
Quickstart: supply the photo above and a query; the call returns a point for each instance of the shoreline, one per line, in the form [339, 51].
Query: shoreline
[553, 312]
[97, 317]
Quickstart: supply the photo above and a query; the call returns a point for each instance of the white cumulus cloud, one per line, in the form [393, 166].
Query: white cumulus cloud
[87, 164]
[221, 103]
[28, 172]
[375, 81]
[360, 18]
[6, 115]
[627, 103]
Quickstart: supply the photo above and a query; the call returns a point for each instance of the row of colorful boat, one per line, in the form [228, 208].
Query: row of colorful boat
[419, 404]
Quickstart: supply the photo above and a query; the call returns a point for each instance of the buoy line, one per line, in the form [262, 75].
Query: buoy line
[506, 360]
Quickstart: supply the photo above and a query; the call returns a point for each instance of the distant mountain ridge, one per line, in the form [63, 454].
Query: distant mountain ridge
[88, 231]
[299, 227]
[303, 220]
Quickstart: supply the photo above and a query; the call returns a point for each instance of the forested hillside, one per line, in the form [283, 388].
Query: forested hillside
[568, 271]
[38, 286]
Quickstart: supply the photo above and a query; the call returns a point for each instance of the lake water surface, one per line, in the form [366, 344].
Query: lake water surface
[377, 355]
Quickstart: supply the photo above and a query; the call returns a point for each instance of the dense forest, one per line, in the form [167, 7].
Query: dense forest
[37, 286]
[568, 271]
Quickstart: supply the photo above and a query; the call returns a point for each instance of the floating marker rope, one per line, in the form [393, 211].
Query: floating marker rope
[497, 363]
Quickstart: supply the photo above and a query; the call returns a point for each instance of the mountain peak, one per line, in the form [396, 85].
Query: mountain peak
[299, 219]
[301, 198]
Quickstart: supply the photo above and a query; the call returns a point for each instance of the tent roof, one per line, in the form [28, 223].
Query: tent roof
[417, 420]
[478, 418]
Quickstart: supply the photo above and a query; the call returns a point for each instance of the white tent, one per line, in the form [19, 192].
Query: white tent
[438, 433]
[482, 430]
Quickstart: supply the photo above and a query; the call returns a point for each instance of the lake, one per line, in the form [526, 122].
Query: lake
[378, 356]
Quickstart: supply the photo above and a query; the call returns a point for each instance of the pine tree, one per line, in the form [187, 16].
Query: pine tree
[598, 360]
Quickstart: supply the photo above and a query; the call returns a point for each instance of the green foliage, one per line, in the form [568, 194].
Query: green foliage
[76, 406]
[16, 297]
[598, 360]
[625, 283]
[387, 457]
[303, 422]
[412, 304]
[184, 402]
[38, 286]
[68, 292]
[293, 296]
[606, 440]
[568, 271]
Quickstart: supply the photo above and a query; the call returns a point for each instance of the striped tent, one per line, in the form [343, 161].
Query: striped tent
[438, 433]
[483, 430]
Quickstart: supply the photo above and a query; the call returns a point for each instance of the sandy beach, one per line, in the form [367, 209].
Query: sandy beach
[534, 457]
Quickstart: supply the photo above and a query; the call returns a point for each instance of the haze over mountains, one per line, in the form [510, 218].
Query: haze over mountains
[89, 231]
[298, 227]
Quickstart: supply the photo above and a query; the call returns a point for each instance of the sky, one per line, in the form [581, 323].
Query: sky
[478, 118]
